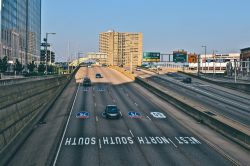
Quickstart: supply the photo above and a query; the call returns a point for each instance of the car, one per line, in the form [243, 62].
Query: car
[112, 112]
[187, 80]
[98, 75]
[86, 81]
[89, 66]
[138, 69]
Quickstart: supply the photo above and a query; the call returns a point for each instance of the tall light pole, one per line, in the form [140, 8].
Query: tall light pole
[205, 59]
[46, 46]
[214, 51]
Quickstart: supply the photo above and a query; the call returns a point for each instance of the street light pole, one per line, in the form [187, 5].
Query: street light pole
[46, 47]
[205, 59]
[214, 51]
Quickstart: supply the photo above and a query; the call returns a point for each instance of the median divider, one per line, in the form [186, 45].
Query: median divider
[231, 129]
[123, 71]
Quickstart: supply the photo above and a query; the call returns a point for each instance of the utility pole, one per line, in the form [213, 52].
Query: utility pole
[199, 65]
[205, 59]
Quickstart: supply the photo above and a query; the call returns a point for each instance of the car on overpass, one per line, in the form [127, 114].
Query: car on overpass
[112, 112]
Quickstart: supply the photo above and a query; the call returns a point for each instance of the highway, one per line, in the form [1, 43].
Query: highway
[149, 136]
[228, 103]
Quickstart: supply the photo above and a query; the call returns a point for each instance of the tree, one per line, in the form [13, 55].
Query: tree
[51, 69]
[18, 66]
[3, 64]
[41, 68]
[31, 66]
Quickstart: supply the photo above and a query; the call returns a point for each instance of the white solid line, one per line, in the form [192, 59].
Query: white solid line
[131, 133]
[96, 118]
[172, 142]
[95, 104]
[148, 117]
[100, 145]
[66, 127]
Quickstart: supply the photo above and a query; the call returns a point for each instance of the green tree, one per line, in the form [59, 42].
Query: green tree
[18, 66]
[31, 66]
[41, 68]
[51, 69]
[3, 64]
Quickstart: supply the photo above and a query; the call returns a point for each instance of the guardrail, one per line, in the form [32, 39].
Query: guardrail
[12, 81]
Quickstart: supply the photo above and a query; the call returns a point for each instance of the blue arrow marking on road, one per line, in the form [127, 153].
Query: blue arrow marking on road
[134, 115]
[83, 115]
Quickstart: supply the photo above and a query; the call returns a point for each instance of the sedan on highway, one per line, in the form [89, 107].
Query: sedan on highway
[98, 75]
[112, 112]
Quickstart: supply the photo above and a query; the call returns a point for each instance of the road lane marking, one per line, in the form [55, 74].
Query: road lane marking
[66, 126]
[96, 118]
[148, 117]
[100, 144]
[172, 143]
[95, 104]
[131, 133]
[128, 140]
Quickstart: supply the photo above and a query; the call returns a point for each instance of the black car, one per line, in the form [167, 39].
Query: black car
[112, 112]
[98, 75]
[86, 81]
[187, 80]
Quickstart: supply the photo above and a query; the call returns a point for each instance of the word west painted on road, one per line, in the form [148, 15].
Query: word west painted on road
[134, 115]
[157, 114]
[157, 140]
[83, 115]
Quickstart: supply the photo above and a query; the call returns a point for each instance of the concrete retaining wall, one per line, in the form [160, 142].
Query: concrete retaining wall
[20, 104]
[216, 123]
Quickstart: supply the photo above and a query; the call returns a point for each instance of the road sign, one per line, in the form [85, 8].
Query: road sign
[134, 115]
[157, 114]
[83, 115]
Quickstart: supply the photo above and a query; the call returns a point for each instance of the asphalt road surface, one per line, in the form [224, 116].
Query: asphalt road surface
[231, 104]
[145, 135]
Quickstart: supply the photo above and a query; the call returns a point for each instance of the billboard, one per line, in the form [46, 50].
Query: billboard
[151, 56]
[192, 58]
[179, 56]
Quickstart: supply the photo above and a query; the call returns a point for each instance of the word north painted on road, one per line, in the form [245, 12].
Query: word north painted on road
[134, 115]
[156, 140]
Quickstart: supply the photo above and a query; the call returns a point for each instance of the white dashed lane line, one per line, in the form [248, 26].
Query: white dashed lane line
[131, 133]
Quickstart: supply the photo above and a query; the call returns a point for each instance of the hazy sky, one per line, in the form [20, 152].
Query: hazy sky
[167, 25]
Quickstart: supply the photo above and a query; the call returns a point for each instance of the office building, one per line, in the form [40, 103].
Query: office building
[20, 24]
[122, 48]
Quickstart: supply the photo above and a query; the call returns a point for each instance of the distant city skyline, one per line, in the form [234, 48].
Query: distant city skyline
[166, 25]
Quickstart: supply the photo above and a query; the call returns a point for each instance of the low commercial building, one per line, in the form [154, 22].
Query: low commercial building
[245, 60]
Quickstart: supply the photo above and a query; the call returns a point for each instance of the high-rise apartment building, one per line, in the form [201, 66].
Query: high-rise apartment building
[122, 48]
[20, 24]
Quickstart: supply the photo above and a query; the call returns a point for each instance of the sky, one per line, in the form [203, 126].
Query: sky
[166, 25]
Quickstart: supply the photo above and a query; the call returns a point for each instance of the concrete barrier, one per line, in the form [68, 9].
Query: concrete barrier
[21, 107]
[123, 71]
[239, 134]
